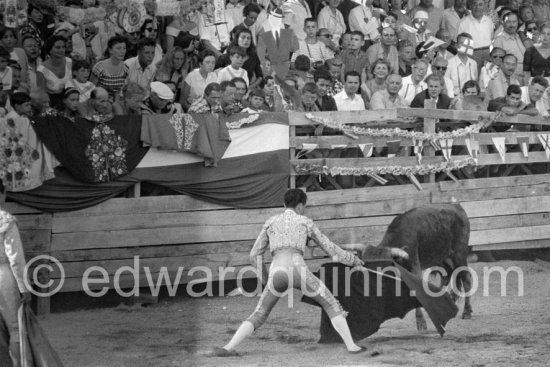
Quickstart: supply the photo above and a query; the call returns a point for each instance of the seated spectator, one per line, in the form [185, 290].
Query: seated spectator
[8, 40]
[308, 98]
[491, 68]
[389, 98]
[446, 50]
[471, 88]
[215, 37]
[535, 61]
[196, 81]
[132, 98]
[80, 82]
[380, 71]
[176, 107]
[256, 99]
[172, 67]
[533, 94]
[407, 57]
[505, 77]
[111, 73]
[21, 106]
[229, 103]
[439, 67]
[56, 71]
[420, 21]
[16, 85]
[334, 67]
[323, 80]
[241, 90]
[99, 107]
[385, 49]
[234, 70]
[348, 99]
[140, 68]
[160, 100]
[461, 67]
[302, 71]
[511, 105]
[332, 19]
[414, 83]
[70, 100]
[433, 92]
[361, 19]
[355, 59]
[210, 102]
[311, 46]
[271, 96]
[251, 21]
[470, 99]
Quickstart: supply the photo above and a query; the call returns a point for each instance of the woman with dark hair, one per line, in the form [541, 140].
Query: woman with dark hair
[56, 71]
[8, 40]
[196, 81]
[191, 46]
[111, 72]
[536, 60]
[149, 29]
[36, 26]
[252, 65]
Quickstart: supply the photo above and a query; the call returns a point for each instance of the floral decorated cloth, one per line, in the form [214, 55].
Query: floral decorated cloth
[90, 151]
[203, 134]
[25, 163]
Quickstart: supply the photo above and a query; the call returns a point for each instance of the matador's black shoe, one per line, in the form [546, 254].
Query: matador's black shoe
[221, 352]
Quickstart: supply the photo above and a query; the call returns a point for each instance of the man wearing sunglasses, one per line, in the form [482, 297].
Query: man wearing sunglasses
[439, 67]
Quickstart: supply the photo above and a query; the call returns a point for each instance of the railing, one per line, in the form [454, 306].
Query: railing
[303, 134]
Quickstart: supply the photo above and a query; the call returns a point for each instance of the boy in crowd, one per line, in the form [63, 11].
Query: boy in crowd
[234, 70]
[81, 74]
[256, 99]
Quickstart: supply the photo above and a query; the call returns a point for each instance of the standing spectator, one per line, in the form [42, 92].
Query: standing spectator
[196, 81]
[406, 57]
[505, 77]
[132, 98]
[159, 101]
[439, 67]
[422, 33]
[380, 71]
[234, 11]
[252, 65]
[251, 21]
[461, 68]
[480, 28]
[210, 102]
[140, 68]
[331, 18]
[452, 17]
[56, 71]
[348, 99]
[433, 92]
[491, 68]
[510, 41]
[536, 61]
[542, 11]
[385, 50]
[80, 82]
[111, 73]
[361, 19]
[13, 291]
[8, 40]
[389, 98]
[324, 81]
[311, 46]
[414, 83]
[435, 15]
[214, 36]
[295, 12]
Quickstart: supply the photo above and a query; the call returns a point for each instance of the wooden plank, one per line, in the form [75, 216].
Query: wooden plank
[15, 208]
[36, 241]
[468, 115]
[488, 208]
[507, 221]
[373, 118]
[150, 204]
[365, 194]
[495, 182]
[490, 193]
[503, 235]
[325, 141]
[34, 221]
[516, 245]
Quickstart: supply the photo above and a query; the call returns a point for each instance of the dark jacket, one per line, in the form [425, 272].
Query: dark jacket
[443, 102]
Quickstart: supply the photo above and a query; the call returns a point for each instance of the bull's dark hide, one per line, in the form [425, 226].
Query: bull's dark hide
[368, 311]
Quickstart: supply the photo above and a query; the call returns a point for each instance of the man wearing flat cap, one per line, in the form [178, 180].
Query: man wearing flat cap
[160, 100]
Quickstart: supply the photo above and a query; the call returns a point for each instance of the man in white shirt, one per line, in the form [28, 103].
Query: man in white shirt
[510, 42]
[361, 19]
[505, 77]
[330, 18]
[461, 68]
[295, 13]
[414, 83]
[533, 95]
[452, 17]
[140, 68]
[215, 36]
[314, 49]
[348, 99]
[481, 28]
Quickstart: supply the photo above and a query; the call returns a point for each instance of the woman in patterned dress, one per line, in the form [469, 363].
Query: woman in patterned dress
[112, 73]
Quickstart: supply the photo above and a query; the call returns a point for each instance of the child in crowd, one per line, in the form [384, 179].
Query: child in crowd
[256, 98]
[80, 82]
[21, 104]
[234, 70]
[6, 73]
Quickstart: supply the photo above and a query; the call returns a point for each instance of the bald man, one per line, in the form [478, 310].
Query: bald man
[99, 105]
[389, 97]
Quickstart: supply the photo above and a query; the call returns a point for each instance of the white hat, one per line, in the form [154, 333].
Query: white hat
[162, 90]
[421, 14]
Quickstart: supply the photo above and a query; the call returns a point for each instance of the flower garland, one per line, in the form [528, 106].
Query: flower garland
[352, 131]
[244, 121]
[424, 169]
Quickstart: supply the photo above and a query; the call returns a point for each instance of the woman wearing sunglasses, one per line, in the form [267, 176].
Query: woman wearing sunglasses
[536, 60]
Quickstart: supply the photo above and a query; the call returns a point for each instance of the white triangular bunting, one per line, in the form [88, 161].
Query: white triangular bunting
[366, 149]
[544, 139]
[523, 142]
[499, 143]
[473, 148]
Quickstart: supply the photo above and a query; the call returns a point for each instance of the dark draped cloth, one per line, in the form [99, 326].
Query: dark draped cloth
[369, 305]
[90, 151]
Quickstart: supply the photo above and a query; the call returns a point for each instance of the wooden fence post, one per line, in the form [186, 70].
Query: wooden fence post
[292, 157]
[429, 127]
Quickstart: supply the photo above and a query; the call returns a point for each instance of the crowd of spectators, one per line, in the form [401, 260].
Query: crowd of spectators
[344, 55]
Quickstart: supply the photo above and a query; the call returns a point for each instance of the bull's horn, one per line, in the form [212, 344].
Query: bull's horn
[397, 252]
[354, 246]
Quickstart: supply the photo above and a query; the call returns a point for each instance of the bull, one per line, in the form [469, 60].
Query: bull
[434, 235]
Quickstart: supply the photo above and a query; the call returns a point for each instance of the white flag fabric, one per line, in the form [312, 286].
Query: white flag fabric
[500, 144]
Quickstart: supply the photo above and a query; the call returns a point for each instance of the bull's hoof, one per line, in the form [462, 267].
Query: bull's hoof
[421, 325]
[466, 316]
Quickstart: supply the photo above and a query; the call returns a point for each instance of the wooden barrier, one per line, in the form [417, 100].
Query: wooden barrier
[169, 233]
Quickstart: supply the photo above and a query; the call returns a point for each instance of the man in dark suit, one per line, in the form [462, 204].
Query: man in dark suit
[435, 87]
